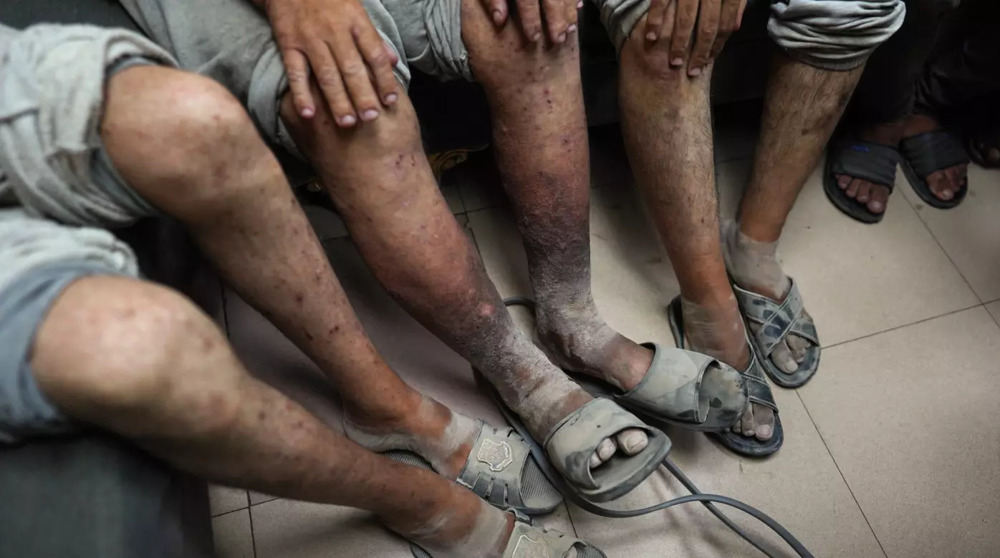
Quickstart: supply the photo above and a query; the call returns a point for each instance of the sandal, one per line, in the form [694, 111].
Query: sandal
[500, 470]
[980, 144]
[869, 161]
[776, 320]
[527, 541]
[757, 387]
[929, 152]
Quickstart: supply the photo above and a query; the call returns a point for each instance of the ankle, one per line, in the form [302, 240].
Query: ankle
[388, 413]
[753, 263]
[717, 332]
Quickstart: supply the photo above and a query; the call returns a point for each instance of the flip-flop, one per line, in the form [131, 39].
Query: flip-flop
[757, 386]
[672, 391]
[869, 161]
[978, 143]
[500, 470]
[773, 321]
[528, 541]
[928, 152]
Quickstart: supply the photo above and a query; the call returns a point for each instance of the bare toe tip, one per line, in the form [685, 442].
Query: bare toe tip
[606, 449]
[764, 432]
[632, 441]
[595, 461]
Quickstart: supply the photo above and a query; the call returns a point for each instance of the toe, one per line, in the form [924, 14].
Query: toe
[864, 191]
[852, 188]
[595, 461]
[782, 357]
[993, 155]
[937, 181]
[843, 180]
[747, 425]
[632, 441]
[764, 417]
[605, 449]
[879, 198]
[798, 347]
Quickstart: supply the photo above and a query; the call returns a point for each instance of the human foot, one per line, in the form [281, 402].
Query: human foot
[946, 183]
[678, 387]
[715, 328]
[873, 195]
[984, 147]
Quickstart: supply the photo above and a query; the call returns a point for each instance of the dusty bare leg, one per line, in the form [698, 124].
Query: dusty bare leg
[801, 109]
[380, 181]
[204, 163]
[541, 144]
[668, 134]
[143, 362]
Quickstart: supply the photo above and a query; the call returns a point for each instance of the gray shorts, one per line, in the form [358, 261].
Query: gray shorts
[59, 192]
[827, 34]
[230, 41]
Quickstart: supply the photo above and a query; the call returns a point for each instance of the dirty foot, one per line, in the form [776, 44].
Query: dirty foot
[945, 183]
[715, 328]
[874, 196]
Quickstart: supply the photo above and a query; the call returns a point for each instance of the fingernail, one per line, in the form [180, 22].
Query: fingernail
[764, 431]
[391, 98]
[650, 36]
[497, 17]
[308, 112]
[579, 4]
[677, 62]
[571, 28]
[695, 72]
[536, 37]
[561, 38]
[348, 120]
[369, 115]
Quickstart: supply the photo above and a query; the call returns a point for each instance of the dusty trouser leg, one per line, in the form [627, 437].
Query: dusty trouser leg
[204, 163]
[380, 181]
[143, 362]
[668, 134]
[540, 137]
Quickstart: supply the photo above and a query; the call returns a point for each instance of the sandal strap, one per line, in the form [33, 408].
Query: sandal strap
[776, 320]
[495, 465]
[672, 385]
[527, 541]
[757, 387]
[873, 162]
[932, 151]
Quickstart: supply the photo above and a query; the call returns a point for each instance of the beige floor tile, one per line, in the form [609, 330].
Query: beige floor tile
[909, 417]
[994, 309]
[799, 487]
[260, 498]
[233, 535]
[453, 197]
[859, 279]
[224, 499]
[969, 233]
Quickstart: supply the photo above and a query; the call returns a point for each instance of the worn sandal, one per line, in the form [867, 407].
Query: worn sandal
[776, 320]
[929, 152]
[500, 470]
[757, 387]
[873, 162]
[527, 541]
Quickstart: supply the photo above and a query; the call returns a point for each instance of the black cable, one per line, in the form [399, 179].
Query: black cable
[708, 500]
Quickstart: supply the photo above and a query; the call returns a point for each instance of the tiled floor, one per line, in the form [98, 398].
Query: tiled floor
[892, 450]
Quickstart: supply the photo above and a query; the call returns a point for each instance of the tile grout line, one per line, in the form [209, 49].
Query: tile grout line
[253, 539]
[842, 477]
[230, 512]
[901, 326]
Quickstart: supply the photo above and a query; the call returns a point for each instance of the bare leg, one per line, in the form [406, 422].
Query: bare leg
[668, 134]
[380, 181]
[143, 362]
[204, 163]
[541, 143]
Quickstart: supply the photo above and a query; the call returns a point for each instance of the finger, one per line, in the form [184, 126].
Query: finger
[381, 60]
[727, 24]
[572, 15]
[497, 10]
[680, 42]
[739, 14]
[708, 28]
[297, 72]
[655, 17]
[531, 19]
[356, 78]
[555, 19]
[332, 84]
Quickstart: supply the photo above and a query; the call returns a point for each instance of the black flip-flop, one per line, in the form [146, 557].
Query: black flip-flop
[869, 161]
[929, 152]
[757, 386]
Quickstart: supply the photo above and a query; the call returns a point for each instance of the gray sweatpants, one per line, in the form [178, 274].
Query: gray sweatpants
[59, 192]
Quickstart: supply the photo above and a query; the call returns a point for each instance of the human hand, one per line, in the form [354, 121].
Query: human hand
[674, 21]
[560, 17]
[335, 43]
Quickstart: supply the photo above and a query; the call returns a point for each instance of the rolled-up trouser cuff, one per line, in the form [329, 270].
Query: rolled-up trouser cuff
[833, 34]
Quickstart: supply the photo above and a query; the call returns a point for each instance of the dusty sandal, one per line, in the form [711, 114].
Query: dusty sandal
[757, 387]
[527, 541]
[501, 471]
